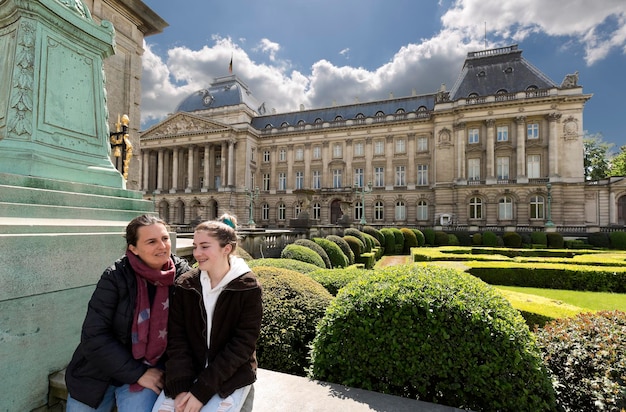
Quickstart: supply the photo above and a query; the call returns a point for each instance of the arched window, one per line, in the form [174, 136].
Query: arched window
[316, 210]
[338, 118]
[265, 212]
[360, 116]
[297, 208]
[476, 208]
[379, 209]
[400, 111]
[472, 95]
[318, 121]
[379, 114]
[284, 124]
[537, 204]
[532, 87]
[505, 208]
[400, 210]
[268, 126]
[422, 210]
[502, 91]
[300, 122]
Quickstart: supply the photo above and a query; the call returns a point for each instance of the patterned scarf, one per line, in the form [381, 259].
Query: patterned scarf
[149, 330]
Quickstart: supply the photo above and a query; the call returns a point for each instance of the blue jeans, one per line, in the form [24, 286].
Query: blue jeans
[232, 403]
[121, 396]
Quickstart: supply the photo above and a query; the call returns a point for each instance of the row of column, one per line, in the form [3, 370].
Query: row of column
[167, 168]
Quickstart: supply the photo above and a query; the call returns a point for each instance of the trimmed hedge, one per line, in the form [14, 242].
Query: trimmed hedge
[512, 239]
[432, 334]
[421, 240]
[374, 232]
[359, 235]
[293, 304]
[410, 240]
[303, 254]
[338, 259]
[539, 238]
[356, 246]
[317, 249]
[335, 279]
[390, 241]
[490, 239]
[586, 357]
[555, 240]
[284, 263]
[618, 240]
[441, 238]
[429, 237]
[600, 240]
[399, 240]
[345, 247]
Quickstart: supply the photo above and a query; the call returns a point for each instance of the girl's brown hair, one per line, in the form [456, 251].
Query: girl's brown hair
[225, 234]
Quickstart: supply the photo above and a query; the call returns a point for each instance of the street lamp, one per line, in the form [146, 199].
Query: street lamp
[363, 192]
[549, 222]
[252, 195]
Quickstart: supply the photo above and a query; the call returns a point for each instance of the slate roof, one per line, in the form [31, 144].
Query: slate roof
[224, 91]
[502, 70]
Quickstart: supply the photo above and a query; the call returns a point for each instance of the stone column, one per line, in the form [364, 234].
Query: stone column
[273, 176]
[146, 170]
[159, 187]
[553, 145]
[461, 140]
[521, 146]
[307, 165]
[491, 142]
[190, 169]
[349, 179]
[326, 172]
[389, 170]
[231, 162]
[223, 165]
[369, 157]
[291, 180]
[411, 178]
[175, 153]
[207, 165]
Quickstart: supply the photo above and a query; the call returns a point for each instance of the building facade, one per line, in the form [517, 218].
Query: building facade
[501, 150]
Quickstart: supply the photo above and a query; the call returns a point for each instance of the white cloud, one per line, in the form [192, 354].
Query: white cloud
[417, 66]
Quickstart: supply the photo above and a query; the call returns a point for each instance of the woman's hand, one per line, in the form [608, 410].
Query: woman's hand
[152, 379]
[186, 402]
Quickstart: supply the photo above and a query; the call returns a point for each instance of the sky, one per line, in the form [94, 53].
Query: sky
[317, 53]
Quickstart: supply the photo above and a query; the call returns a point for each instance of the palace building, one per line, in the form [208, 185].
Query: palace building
[501, 150]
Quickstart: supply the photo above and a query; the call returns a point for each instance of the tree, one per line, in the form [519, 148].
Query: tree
[597, 154]
[618, 163]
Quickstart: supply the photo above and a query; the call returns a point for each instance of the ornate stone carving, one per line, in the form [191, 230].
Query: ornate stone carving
[21, 104]
[570, 128]
[570, 81]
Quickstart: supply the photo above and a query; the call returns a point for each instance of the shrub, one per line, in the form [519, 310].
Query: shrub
[477, 239]
[512, 239]
[410, 240]
[429, 237]
[600, 240]
[490, 239]
[316, 248]
[464, 237]
[284, 263]
[390, 241]
[539, 238]
[399, 240]
[293, 304]
[374, 232]
[345, 247]
[618, 240]
[421, 240]
[359, 235]
[432, 334]
[337, 258]
[586, 356]
[355, 245]
[335, 279]
[375, 245]
[453, 240]
[554, 240]
[242, 253]
[441, 238]
[303, 254]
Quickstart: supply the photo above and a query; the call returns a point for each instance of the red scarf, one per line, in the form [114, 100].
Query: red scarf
[149, 330]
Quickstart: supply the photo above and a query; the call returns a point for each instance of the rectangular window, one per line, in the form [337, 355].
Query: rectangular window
[317, 152]
[422, 175]
[422, 210]
[317, 179]
[473, 169]
[299, 180]
[266, 181]
[533, 168]
[379, 147]
[358, 177]
[422, 144]
[265, 214]
[400, 146]
[379, 176]
[505, 208]
[337, 151]
[282, 181]
[472, 136]
[282, 155]
[358, 149]
[400, 176]
[337, 178]
[400, 211]
[503, 168]
[503, 133]
[532, 131]
[299, 153]
[266, 156]
[281, 211]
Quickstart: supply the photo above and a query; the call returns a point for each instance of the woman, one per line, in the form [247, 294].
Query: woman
[215, 321]
[119, 359]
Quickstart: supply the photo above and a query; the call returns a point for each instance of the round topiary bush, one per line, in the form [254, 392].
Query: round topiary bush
[410, 240]
[599, 239]
[345, 247]
[375, 245]
[433, 334]
[390, 241]
[316, 248]
[490, 239]
[284, 263]
[429, 236]
[421, 240]
[303, 254]
[441, 238]
[293, 304]
[512, 239]
[477, 239]
[618, 240]
[337, 258]
[555, 240]
[453, 240]
[374, 232]
[399, 240]
[359, 235]
[356, 245]
[335, 279]
[539, 238]
[586, 356]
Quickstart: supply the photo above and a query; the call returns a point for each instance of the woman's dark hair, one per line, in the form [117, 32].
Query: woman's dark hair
[132, 228]
[220, 231]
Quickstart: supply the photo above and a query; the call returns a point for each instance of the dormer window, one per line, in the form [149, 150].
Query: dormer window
[284, 124]
[338, 118]
[508, 70]
[400, 111]
[379, 114]
[268, 126]
[472, 95]
[481, 73]
[318, 121]
[502, 91]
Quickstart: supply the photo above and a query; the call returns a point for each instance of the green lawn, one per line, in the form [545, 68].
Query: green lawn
[590, 300]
